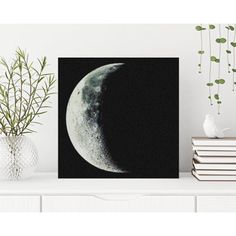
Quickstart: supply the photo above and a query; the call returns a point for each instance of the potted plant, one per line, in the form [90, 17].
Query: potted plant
[25, 89]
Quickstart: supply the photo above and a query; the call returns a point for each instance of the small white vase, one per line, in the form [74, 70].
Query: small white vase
[18, 158]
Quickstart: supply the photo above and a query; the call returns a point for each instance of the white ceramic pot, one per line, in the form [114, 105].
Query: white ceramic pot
[18, 158]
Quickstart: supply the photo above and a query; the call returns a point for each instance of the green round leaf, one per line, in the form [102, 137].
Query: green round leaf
[234, 70]
[233, 44]
[234, 82]
[221, 81]
[211, 27]
[227, 27]
[222, 40]
[210, 84]
[216, 96]
[201, 52]
[213, 58]
[209, 97]
[217, 81]
[218, 102]
[198, 28]
[231, 27]
[199, 65]
[228, 51]
[217, 60]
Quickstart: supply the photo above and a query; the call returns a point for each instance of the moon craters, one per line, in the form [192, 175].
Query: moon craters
[82, 119]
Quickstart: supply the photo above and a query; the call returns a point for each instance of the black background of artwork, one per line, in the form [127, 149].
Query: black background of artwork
[141, 115]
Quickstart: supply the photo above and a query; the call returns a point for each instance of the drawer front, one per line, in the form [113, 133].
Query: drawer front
[216, 203]
[118, 203]
[19, 203]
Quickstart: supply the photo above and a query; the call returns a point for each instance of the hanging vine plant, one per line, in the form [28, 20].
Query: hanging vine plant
[219, 81]
[228, 51]
[210, 84]
[201, 51]
[233, 44]
[216, 81]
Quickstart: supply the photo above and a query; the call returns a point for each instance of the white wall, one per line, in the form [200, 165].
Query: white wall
[121, 40]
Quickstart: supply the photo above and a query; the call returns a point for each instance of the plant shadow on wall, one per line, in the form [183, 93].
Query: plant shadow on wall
[222, 38]
[25, 89]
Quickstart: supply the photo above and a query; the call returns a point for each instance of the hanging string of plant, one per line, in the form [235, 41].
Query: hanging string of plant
[201, 51]
[228, 51]
[229, 39]
[210, 84]
[233, 44]
[219, 81]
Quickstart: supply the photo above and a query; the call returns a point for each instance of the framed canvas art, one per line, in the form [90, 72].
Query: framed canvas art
[118, 117]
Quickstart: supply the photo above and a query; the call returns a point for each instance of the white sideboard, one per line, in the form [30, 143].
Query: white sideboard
[44, 192]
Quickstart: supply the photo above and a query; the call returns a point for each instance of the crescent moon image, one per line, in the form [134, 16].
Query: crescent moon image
[82, 119]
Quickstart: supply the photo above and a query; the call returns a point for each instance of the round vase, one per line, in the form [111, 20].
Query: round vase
[18, 158]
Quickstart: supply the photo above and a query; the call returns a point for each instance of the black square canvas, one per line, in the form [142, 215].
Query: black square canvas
[118, 118]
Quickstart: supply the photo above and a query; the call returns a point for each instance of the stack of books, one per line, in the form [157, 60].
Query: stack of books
[214, 159]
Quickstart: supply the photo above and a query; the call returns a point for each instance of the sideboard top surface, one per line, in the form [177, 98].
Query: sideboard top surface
[49, 184]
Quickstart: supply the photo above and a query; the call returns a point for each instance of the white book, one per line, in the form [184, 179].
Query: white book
[213, 166]
[216, 153]
[214, 177]
[200, 141]
[216, 172]
[214, 148]
[211, 159]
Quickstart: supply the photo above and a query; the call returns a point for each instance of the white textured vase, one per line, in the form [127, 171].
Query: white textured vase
[18, 158]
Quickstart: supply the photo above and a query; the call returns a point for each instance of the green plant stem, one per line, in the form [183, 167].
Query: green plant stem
[210, 64]
[30, 82]
[218, 88]
[200, 63]
[32, 99]
[21, 89]
[8, 76]
[228, 62]
[15, 102]
[35, 88]
[234, 40]
[3, 113]
[37, 111]
[28, 123]
[2, 129]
